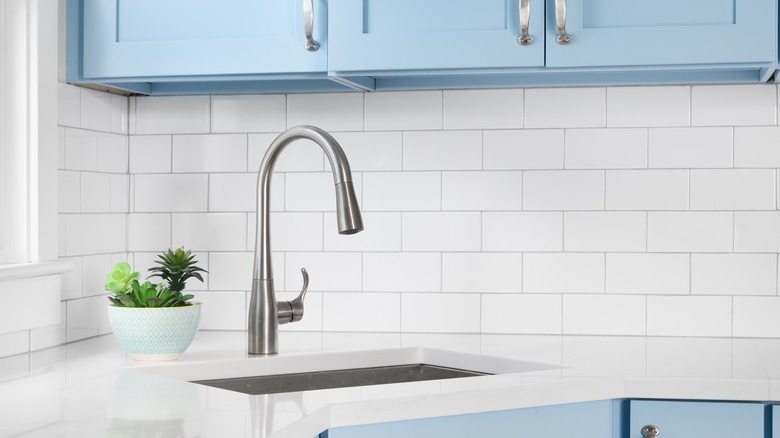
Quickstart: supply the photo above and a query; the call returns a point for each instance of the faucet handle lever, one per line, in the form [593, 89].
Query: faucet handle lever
[297, 303]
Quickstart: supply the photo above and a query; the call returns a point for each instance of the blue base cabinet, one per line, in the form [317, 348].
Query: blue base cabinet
[676, 419]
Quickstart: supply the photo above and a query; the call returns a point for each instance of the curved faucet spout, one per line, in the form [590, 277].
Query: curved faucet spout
[264, 311]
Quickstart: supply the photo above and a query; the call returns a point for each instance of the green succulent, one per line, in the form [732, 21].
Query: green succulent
[149, 295]
[176, 267]
[120, 278]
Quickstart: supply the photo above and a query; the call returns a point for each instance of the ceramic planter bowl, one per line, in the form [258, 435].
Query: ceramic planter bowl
[154, 334]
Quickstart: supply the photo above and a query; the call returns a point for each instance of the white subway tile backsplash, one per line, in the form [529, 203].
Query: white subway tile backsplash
[293, 231]
[647, 189]
[328, 272]
[401, 191]
[688, 316]
[408, 110]
[81, 150]
[757, 231]
[442, 150]
[222, 310]
[366, 312]
[148, 232]
[690, 231]
[120, 193]
[172, 115]
[522, 313]
[371, 151]
[483, 109]
[605, 231]
[756, 146]
[209, 231]
[563, 190]
[649, 274]
[238, 192]
[747, 105]
[441, 231]
[733, 189]
[526, 231]
[498, 190]
[482, 272]
[95, 110]
[96, 268]
[68, 191]
[756, 317]
[68, 105]
[95, 192]
[210, 153]
[521, 150]
[606, 148]
[248, 113]
[402, 272]
[604, 315]
[691, 147]
[111, 233]
[563, 273]
[440, 313]
[648, 106]
[82, 318]
[50, 336]
[382, 233]
[150, 153]
[734, 274]
[71, 281]
[314, 191]
[232, 271]
[298, 156]
[565, 108]
[112, 153]
[329, 111]
[170, 192]
[119, 114]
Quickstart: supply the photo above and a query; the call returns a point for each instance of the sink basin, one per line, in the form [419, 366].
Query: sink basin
[274, 384]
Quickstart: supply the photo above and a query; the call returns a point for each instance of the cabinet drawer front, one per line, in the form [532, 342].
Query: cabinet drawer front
[698, 419]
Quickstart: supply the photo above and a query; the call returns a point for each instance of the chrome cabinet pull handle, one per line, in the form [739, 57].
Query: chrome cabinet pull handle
[650, 431]
[525, 17]
[563, 38]
[308, 25]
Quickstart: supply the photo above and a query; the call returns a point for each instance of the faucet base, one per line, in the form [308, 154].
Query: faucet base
[263, 320]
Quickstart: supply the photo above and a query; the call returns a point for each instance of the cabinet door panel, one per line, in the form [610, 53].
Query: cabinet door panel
[413, 35]
[698, 419]
[150, 38]
[614, 33]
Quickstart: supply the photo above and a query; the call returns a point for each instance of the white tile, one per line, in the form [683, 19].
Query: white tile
[238, 192]
[647, 189]
[172, 115]
[95, 110]
[111, 233]
[382, 233]
[50, 336]
[483, 109]
[565, 108]
[563, 190]
[148, 232]
[313, 315]
[329, 111]
[698, 358]
[210, 153]
[756, 317]
[150, 153]
[328, 272]
[522, 313]
[563, 273]
[82, 319]
[734, 274]
[248, 113]
[112, 153]
[649, 106]
[734, 105]
[604, 231]
[606, 148]
[314, 191]
[401, 272]
[96, 268]
[81, 149]
[442, 150]
[409, 110]
[527, 231]
[68, 105]
[440, 313]
[119, 114]
[294, 231]
[688, 316]
[209, 231]
[733, 189]
[90, 233]
[170, 192]
[71, 281]
[298, 156]
[497, 190]
[604, 315]
[756, 146]
[526, 149]
[361, 312]
[401, 191]
[577, 354]
[757, 231]
[372, 151]
[14, 343]
[482, 272]
[120, 193]
[231, 271]
[61, 148]
[689, 232]
[651, 274]
[441, 231]
[222, 310]
[95, 192]
[690, 147]
[68, 191]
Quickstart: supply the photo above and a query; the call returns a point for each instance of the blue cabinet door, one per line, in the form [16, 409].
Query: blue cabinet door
[617, 33]
[377, 36]
[178, 38]
[697, 419]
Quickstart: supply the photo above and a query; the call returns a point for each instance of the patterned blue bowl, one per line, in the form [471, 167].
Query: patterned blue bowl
[154, 334]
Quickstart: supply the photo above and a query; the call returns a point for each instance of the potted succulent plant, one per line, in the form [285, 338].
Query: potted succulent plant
[155, 321]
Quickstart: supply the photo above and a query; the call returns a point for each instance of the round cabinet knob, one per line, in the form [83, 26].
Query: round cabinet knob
[650, 431]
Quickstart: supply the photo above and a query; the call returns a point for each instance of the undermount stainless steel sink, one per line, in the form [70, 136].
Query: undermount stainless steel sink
[308, 381]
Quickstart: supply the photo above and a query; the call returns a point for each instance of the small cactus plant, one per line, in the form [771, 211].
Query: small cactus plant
[176, 267]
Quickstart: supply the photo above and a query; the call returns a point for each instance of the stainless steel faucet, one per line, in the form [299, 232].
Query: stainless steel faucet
[265, 313]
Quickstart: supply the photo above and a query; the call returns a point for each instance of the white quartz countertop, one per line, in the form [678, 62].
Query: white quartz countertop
[90, 388]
